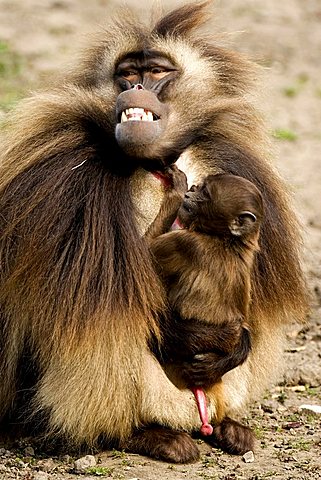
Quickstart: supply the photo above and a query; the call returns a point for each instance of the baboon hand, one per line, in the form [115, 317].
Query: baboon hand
[178, 180]
[203, 370]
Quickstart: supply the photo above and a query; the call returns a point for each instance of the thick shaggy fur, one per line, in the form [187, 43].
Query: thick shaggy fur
[78, 295]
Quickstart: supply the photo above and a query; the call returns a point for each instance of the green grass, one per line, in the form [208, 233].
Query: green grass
[285, 134]
[301, 444]
[12, 82]
[99, 471]
[293, 90]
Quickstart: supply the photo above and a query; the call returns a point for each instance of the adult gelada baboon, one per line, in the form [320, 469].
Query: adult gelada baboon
[79, 296]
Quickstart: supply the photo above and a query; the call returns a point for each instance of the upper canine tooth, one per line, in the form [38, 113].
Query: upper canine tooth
[150, 116]
[123, 117]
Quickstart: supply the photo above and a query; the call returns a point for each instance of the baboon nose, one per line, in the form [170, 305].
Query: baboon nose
[138, 86]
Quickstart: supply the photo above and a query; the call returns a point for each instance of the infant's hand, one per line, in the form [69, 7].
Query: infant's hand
[178, 180]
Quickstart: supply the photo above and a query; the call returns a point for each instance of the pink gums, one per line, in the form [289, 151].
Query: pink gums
[206, 428]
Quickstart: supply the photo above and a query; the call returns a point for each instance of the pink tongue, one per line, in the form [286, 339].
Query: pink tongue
[206, 428]
[177, 225]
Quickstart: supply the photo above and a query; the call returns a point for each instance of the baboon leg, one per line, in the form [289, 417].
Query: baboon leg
[164, 444]
[232, 437]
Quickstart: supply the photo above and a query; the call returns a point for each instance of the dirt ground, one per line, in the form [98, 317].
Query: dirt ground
[36, 37]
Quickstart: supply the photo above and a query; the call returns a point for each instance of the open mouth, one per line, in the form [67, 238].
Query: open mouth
[137, 115]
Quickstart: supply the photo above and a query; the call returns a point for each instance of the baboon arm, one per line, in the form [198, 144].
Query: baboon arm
[166, 216]
[175, 185]
[205, 369]
[193, 336]
[204, 352]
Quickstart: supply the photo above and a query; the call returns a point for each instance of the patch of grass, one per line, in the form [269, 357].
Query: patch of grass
[294, 417]
[294, 89]
[301, 444]
[10, 61]
[285, 134]
[311, 391]
[118, 454]
[291, 91]
[207, 476]
[12, 83]
[209, 461]
[259, 433]
[282, 397]
[318, 92]
[100, 471]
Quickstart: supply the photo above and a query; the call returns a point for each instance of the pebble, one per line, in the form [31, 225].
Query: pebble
[83, 463]
[248, 457]
[29, 452]
[297, 388]
[47, 465]
[66, 458]
[311, 408]
[40, 476]
[267, 407]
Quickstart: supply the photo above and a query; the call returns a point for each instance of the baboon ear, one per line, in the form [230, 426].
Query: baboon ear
[242, 224]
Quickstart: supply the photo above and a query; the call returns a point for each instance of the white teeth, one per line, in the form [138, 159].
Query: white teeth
[136, 114]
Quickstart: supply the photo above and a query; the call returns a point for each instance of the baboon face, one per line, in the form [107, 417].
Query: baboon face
[143, 79]
[222, 205]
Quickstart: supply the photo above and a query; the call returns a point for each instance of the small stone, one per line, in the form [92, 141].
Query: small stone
[297, 388]
[281, 409]
[2, 451]
[47, 465]
[83, 463]
[248, 457]
[311, 408]
[66, 458]
[291, 425]
[40, 476]
[267, 407]
[29, 452]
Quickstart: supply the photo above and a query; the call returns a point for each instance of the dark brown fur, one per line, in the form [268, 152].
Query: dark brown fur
[206, 269]
[76, 303]
[209, 262]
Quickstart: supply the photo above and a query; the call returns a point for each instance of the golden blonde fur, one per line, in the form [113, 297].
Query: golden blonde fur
[79, 297]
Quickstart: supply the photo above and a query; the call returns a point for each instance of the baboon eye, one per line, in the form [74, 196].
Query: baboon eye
[130, 75]
[159, 72]
[205, 192]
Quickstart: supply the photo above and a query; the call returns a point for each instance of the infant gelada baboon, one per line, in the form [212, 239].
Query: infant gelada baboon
[206, 268]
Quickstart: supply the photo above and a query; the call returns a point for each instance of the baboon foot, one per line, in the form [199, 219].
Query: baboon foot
[232, 437]
[164, 444]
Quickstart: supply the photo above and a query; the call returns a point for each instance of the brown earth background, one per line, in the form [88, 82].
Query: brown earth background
[36, 38]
